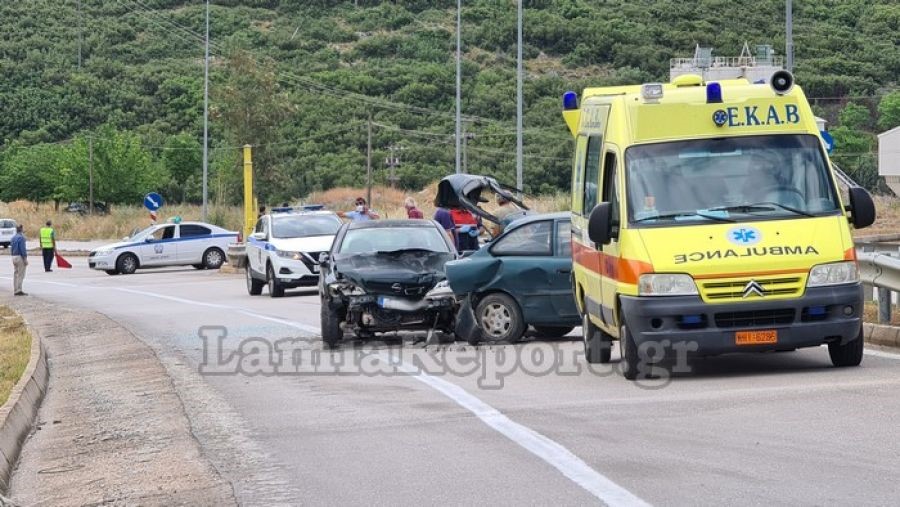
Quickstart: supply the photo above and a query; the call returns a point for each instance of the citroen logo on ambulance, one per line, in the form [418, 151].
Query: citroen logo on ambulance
[753, 287]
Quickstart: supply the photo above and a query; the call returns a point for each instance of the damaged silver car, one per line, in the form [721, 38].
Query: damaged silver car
[386, 276]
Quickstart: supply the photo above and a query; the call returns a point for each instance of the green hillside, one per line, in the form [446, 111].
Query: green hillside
[300, 78]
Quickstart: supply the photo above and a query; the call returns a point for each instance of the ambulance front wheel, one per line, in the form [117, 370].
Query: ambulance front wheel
[848, 354]
[629, 351]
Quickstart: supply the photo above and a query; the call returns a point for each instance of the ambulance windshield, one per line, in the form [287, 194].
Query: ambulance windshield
[731, 179]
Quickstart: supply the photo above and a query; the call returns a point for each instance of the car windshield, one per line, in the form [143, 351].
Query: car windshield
[730, 179]
[382, 239]
[300, 226]
[7, 224]
[141, 234]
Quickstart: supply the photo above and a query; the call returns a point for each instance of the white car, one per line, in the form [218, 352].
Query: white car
[7, 231]
[195, 244]
[284, 249]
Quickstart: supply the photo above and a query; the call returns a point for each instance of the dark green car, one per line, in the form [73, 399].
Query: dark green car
[521, 278]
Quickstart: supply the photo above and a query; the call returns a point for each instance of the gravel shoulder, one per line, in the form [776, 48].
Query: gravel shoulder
[111, 428]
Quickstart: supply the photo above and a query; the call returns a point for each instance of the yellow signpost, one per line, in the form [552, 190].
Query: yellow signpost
[249, 201]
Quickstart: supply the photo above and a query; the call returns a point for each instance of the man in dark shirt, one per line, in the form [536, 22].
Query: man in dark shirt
[20, 260]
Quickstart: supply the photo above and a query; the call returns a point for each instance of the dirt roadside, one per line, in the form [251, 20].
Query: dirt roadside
[111, 428]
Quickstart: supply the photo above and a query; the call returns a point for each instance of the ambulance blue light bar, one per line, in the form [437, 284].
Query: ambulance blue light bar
[713, 93]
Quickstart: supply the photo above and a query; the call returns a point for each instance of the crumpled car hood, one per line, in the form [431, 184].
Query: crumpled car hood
[405, 273]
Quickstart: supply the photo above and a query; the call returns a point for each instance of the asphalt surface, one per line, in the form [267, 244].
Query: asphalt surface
[525, 424]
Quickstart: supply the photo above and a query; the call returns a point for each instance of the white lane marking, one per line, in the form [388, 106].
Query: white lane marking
[882, 353]
[297, 325]
[61, 284]
[544, 448]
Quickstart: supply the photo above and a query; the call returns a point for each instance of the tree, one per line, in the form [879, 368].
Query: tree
[889, 111]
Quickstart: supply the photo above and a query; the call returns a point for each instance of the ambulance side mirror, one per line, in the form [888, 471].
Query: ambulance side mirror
[862, 208]
[324, 258]
[600, 224]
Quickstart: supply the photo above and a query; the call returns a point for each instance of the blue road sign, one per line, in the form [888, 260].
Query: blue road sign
[153, 201]
[829, 141]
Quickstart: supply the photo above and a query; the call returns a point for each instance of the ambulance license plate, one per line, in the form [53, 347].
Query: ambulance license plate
[762, 337]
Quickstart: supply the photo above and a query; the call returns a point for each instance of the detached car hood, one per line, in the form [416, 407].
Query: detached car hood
[464, 191]
[407, 273]
[746, 247]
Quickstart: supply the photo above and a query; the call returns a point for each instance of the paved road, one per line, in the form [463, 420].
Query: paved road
[759, 429]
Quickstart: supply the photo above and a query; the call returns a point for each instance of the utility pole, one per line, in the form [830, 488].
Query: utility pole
[458, 81]
[789, 36]
[90, 175]
[519, 75]
[79, 34]
[369, 162]
[206, 119]
[392, 162]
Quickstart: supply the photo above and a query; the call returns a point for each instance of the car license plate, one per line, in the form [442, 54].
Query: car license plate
[762, 337]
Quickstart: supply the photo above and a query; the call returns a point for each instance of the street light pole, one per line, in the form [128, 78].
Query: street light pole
[206, 119]
[458, 83]
[519, 76]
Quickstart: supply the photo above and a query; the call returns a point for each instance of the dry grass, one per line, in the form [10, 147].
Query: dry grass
[118, 223]
[388, 202]
[887, 211]
[15, 350]
[870, 313]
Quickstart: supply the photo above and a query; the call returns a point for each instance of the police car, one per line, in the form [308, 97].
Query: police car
[195, 244]
[283, 251]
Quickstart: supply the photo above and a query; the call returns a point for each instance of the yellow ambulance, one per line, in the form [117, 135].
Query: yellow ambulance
[706, 217]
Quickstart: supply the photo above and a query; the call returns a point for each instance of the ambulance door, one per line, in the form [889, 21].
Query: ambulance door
[610, 252]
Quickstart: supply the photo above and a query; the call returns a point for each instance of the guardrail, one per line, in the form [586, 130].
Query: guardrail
[882, 271]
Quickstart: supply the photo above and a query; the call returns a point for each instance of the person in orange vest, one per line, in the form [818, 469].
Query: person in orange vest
[48, 245]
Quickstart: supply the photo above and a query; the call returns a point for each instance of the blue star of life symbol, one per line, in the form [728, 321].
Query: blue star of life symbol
[744, 235]
[720, 117]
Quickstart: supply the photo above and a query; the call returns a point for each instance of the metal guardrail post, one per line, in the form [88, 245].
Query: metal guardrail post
[884, 305]
[868, 289]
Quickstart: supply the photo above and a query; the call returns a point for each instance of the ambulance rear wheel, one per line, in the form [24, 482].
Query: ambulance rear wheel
[597, 344]
[629, 350]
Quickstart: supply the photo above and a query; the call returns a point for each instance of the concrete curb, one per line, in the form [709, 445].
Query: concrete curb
[877, 334]
[19, 411]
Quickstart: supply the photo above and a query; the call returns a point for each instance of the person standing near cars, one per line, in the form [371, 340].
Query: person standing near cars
[48, 245]
[445, 219]
[19, 255]
[412, 211]
[362, 212]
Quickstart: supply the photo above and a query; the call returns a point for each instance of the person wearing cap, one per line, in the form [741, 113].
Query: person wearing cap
[48, 245]
[362, 212]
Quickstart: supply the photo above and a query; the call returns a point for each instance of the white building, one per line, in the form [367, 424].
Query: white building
[889, 158]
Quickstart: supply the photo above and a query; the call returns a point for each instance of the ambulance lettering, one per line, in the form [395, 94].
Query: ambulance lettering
[753, 116]
[756, 251]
